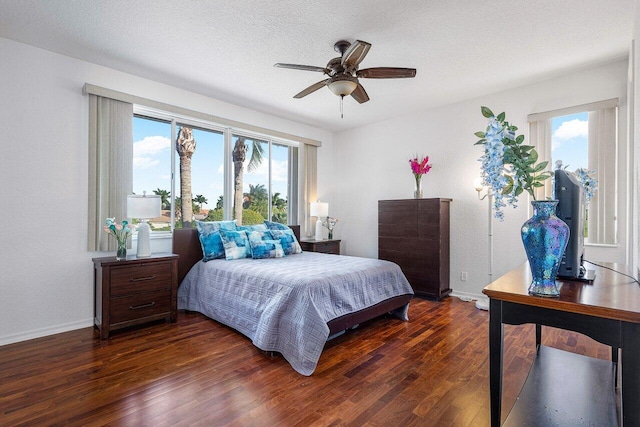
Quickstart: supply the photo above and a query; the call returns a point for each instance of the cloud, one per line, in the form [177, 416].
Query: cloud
[568, 131]
[146, 150]
[279, 170]
[144, 162]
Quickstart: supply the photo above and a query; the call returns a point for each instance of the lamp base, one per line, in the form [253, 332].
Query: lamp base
[318, 235]
[144, 243]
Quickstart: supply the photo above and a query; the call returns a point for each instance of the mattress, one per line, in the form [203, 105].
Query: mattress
[284, 304]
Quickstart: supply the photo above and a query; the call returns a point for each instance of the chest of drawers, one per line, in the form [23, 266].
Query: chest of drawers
[134, 291]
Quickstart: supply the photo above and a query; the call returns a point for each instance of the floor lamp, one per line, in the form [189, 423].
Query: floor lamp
[483, 303]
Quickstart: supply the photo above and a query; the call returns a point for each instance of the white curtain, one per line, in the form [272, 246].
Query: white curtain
[603, 153]
[540, 136]
[110, 166]
[308, 188]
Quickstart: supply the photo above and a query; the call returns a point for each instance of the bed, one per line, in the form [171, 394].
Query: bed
[289, 305]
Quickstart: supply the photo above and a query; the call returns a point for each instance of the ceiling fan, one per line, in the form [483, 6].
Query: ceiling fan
[343, 71]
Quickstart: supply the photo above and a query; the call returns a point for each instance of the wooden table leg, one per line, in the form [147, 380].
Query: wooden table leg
[538, 336]
[495, 360]
[630, 374]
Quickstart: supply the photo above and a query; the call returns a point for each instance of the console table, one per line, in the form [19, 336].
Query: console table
[607, 310]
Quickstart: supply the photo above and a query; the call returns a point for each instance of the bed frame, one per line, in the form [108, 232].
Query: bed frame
[187, 245]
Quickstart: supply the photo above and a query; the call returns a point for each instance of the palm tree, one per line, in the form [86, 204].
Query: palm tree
[186, 145]
[220, 202]
[257, 199]
[278, 209]
[200, 200]
[257, 195]
[178, 209]
[164, 198]
[239, 156]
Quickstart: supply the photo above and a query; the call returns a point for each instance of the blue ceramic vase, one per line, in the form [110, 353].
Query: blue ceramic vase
[545, 238]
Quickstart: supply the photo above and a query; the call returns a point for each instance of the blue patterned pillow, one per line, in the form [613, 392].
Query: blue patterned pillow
[254, 227]
[236, 244]
[288, 240]
[275, 226]
[210, 240]
[263, 246]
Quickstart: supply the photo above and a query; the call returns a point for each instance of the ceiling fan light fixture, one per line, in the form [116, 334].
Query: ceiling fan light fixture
[343, 87]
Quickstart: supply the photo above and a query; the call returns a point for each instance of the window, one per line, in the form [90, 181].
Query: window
[570, 140]
[570, 147]
[112, 116]
[199, 171]
[584, 136]
[260, 175]
[152, 165]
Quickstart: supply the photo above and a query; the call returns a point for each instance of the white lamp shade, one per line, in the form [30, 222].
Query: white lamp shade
[477, 183]
[143, 207]
[343, 87]
[319, 209]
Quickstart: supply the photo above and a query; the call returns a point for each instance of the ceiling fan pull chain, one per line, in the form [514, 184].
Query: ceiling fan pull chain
[341, 106]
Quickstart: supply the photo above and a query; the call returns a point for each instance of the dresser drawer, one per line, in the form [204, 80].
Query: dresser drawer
[140, 305]
[329, 248]
[322, 246]
[140, 278]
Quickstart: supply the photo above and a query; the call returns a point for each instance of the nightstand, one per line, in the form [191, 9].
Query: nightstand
[324, 246]
[134, 291]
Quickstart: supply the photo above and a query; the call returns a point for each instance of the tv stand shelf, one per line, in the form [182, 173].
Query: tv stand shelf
[566, 389]
[606, 310]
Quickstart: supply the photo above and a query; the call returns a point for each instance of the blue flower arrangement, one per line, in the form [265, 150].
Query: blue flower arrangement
[508, 166]
[589, 182]
[586, 177]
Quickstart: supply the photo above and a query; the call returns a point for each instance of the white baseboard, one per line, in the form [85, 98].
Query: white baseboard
[39, 333]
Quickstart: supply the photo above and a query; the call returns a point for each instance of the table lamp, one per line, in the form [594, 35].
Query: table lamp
[319, 210]
[143, 208]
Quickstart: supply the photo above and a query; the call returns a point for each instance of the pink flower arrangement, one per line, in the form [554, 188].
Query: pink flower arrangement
[420, 168]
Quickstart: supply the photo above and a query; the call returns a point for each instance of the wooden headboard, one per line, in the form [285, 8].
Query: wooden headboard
[187, 244]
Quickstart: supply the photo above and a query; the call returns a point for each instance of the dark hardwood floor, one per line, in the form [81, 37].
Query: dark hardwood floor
[430, 371]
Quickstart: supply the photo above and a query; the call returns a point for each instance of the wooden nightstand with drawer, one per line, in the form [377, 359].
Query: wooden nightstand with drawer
[134, 291]
[324, 246]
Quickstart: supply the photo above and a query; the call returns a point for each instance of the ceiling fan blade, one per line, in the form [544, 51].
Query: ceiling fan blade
[355, 54]
[302, 67]
[386, 73]
[359, 94]
[314, 87]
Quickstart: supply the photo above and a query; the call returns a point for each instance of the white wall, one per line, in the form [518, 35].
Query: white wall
[371, 164]
[46, 273]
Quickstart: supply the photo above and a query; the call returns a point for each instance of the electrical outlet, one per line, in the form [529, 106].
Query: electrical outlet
[463, 276]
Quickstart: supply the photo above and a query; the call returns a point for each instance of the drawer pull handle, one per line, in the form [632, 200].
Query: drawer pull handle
[137, 307]
[141, 279]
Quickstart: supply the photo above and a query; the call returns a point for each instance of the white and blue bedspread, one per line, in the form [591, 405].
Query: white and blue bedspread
[284, 304]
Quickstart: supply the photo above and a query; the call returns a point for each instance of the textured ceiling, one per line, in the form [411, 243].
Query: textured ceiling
[226, 49]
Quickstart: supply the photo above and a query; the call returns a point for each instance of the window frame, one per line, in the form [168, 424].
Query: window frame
[228, 132]
[540, 132]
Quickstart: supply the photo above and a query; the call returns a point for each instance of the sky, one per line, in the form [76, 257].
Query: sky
[569, 140]
[152, 163]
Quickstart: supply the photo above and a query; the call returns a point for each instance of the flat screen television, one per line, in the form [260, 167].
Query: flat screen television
[571, 209]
